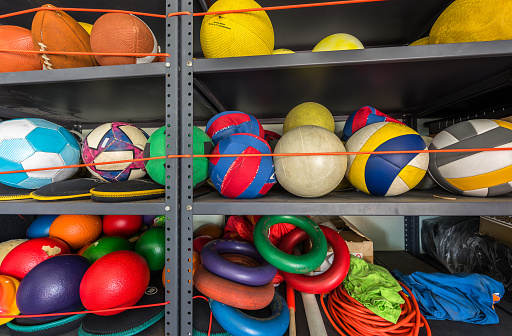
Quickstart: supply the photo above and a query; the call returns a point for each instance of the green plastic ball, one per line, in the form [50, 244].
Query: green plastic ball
[104, 246]
[151, 245]
[155, 147]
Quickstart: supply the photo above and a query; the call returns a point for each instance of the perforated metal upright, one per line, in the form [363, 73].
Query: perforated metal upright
[178, 199]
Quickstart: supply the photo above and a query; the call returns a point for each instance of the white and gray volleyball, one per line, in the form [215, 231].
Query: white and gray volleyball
[309, 176]
[481, 173]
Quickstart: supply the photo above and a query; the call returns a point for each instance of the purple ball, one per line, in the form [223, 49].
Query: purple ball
[53, 286]
[148, 219]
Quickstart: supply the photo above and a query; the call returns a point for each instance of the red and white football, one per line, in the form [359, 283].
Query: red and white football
[17, 38]
[54, 30]
[122, 33]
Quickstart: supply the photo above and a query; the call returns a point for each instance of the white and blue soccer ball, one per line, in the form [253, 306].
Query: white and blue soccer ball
[31, 143]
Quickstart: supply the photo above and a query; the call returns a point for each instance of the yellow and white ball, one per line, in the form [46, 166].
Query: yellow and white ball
[480, 173]
[386, 174]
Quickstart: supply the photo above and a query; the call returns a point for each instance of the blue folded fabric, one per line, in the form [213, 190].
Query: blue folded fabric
[466, 297]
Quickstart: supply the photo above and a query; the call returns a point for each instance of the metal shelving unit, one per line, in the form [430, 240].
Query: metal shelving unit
[144, 94]
[432, 81]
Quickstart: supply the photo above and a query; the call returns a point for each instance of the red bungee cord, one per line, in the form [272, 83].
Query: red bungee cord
[344, 312]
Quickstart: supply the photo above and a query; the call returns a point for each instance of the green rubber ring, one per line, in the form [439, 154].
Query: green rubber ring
[297, 264]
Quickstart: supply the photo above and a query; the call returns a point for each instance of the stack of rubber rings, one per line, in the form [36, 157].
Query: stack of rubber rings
[234, 276]
[294, 267]
[237, 275]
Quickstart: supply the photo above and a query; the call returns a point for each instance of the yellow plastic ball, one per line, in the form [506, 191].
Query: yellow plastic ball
[473, 21]
[86, 26]
[421, 41]
[340, 41]
[309, 113]
[236, 34]
[282, 51]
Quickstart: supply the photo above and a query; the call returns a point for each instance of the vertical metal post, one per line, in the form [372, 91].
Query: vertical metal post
[172, 275]
[412, 234]
[412, 223]
[185, 115]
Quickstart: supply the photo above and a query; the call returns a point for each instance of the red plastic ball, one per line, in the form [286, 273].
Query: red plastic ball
[21, 259]
[122, 225]
[118, 279]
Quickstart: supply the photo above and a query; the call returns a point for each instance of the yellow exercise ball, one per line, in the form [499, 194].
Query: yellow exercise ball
[282, 51]
[473, 21]
[340, 41]
[236, 34]
[86, 26]
[309, 113]
[421, 41]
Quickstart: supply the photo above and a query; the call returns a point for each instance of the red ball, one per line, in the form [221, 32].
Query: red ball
[122, 33]
[27, 255]
[17, 38]
[118, 279]
[121, 225]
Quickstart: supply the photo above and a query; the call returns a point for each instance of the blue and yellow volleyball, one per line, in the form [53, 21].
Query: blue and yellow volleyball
[475, 173]
[386, 174]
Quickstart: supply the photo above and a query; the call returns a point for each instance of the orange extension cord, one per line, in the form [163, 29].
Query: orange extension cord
[344, 312]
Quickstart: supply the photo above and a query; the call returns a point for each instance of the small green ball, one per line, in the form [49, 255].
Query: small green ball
[151, 245]
[155, 147]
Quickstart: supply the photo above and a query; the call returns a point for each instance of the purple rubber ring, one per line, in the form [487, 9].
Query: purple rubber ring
[251, 276]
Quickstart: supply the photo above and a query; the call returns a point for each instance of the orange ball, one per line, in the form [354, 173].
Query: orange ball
[76, 230]
[17, 38]
[8, 288]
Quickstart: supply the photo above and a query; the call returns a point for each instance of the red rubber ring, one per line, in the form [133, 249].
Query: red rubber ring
[232, 293]
[326, 281]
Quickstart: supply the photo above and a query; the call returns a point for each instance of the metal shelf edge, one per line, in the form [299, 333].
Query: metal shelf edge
[83, 74]
[83, 207]
[353, 57]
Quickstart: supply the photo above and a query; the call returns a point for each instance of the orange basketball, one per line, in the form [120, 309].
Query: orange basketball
[122, 33]
[76, 230]
[17, 38]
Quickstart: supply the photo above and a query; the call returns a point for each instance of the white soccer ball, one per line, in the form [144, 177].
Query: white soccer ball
[36, 143]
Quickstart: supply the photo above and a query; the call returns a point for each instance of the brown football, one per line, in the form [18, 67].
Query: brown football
[57, 31]
[17, 38]
[122, 33]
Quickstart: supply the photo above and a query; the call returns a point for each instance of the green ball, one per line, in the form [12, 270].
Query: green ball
[104, 246]
[155, 146]
[151, 245]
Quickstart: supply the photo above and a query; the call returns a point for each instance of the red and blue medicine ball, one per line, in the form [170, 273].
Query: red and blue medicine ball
[242, 177]
[231, 122]
[53, 286]
[366, 115]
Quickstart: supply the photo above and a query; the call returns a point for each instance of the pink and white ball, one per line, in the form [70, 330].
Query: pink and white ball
[115, 141]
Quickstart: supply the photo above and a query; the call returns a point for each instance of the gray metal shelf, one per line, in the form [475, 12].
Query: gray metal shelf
[355, 203]
[83, 207]
[396, 80]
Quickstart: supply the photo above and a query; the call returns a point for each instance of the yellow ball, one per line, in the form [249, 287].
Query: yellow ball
[421, 41]
[282, 51]
[340, 41]
[236, 34]
[473, 21]
[309, 113]
[86, 26]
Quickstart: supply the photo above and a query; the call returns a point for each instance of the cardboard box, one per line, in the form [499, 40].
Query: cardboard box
[358, 244]
[497, 227]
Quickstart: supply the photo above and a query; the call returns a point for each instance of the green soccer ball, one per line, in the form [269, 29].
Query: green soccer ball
[155, 147]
